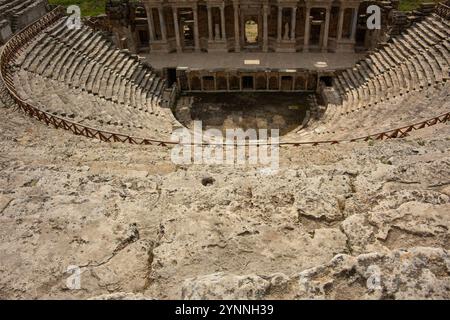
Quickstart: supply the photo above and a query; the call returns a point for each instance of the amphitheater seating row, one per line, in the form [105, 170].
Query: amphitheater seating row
[403, 82]
[83, 66]
[84, 59]
[400, 111]
[11, 7]
[412, 61]
[78, 106]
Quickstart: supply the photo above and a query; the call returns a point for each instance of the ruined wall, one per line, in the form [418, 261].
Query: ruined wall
[16, 15]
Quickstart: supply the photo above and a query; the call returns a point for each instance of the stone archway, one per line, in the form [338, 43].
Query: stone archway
[186, 19]
[251, 32]
[251, 26]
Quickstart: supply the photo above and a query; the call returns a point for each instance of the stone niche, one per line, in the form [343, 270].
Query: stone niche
[224, 80]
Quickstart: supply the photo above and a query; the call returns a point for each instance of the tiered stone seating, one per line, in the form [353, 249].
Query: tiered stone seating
[90, 110]
[403, 110]
[414, 60]
[96, 83]
[403, 82]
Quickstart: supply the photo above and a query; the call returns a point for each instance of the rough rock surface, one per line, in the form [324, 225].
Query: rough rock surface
[344, 221]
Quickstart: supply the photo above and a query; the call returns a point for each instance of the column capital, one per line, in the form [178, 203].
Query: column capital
[216, 4]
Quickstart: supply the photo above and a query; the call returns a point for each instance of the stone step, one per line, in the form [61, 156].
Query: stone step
[431, 61]
[428, 25]
[443, 63]
[389, 61]
[393, 54]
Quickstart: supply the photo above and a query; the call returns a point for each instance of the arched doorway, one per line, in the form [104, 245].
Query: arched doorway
[251, 32]
[187, 27]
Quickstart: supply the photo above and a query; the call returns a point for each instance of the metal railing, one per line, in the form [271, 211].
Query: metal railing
[16, 46]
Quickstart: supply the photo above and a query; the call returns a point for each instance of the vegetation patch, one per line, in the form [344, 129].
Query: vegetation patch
[88, 7]
[408, 5]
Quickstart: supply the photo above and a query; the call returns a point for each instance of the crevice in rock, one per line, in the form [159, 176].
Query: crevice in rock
[133, 236]
[6, 206]
[347, 241]
[312, 222]
[151, 257]
[440, 184]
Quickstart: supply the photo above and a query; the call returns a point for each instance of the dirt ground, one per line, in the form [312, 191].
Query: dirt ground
[263, 110]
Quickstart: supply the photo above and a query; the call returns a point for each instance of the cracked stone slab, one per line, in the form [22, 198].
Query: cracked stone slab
[416, 273]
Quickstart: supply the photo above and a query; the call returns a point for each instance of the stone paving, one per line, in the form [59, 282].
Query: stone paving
[271, 60]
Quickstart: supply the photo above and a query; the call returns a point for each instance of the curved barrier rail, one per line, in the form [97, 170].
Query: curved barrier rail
[16, 44]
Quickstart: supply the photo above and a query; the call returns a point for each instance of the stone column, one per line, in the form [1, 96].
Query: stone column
[222, 20]
[280, 15]
[237, 41]
[293, 22]
[354, 23]
[210, 29]
[162, 24]
[177, 28]
[340, 23]
[307, 28]
[326, 31]
[196, 34]
[265, 29]
[151, 24]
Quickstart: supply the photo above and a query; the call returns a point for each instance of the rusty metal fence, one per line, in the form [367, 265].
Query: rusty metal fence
[16, 45]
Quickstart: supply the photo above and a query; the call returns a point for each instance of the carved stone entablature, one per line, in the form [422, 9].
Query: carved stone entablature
[255, 25]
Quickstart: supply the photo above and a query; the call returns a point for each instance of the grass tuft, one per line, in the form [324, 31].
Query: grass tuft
[88, 7]
[96, 7]
[408, 5]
